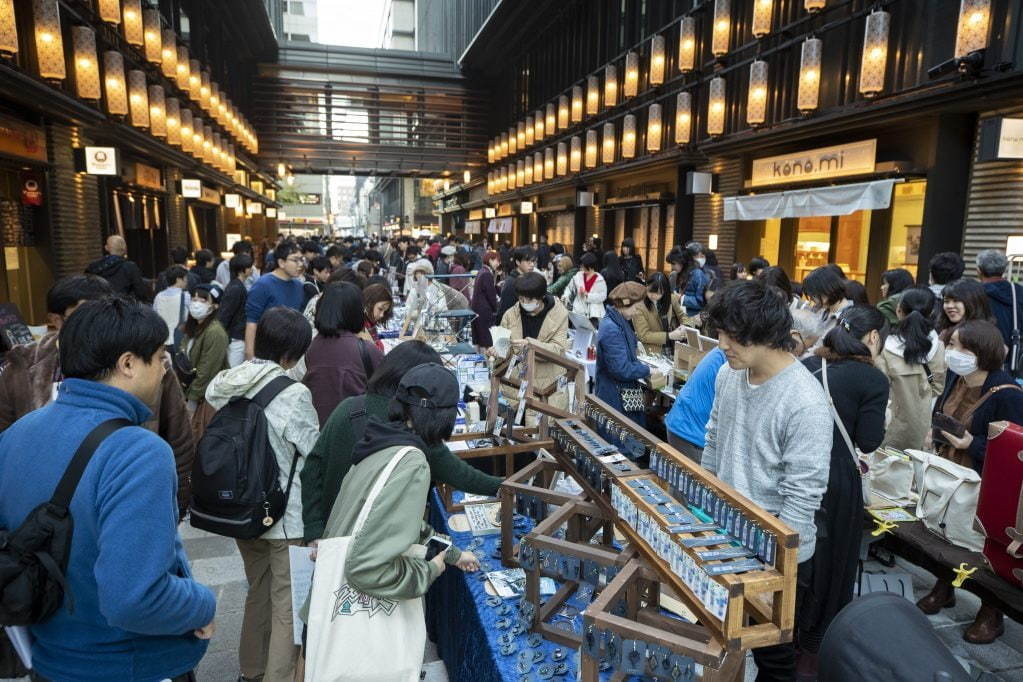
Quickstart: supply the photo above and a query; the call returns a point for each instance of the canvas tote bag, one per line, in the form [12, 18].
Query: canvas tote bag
[353, 636]
[891, 475]
[948, 501]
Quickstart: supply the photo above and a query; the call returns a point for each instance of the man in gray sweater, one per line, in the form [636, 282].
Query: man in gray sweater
[769, 434]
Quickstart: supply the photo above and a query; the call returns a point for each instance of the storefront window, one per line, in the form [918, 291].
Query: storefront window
[770, 240]
[849, 251]
[813, 240]
[907, 221]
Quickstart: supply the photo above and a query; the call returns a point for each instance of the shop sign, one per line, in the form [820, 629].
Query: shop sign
[271, 212]
[191, 188]
[31, 190]
[147, 176]
[1001, 139]
[640, 192]
[101, 161]
[232, 200]
[21, 139]
[210, 196]
[310, 199]
[855, 158]
[472, 227]
[500, 226]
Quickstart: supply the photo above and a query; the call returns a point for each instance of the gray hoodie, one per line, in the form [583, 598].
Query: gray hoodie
[293, 428]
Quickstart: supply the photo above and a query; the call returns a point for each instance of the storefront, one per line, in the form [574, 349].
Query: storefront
[859, 204]
[134, 205]
[641, 207]
[204, 214]
[26, 266]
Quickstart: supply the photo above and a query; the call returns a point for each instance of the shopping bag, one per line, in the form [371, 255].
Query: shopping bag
[948, 501]
[891, 475]
[355, 637]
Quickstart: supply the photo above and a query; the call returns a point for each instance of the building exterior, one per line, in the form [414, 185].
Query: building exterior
[300, 21]
[804, 131]
[128, 118]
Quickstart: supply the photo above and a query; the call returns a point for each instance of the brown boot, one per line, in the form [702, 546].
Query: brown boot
[941, 596]
[988, 626]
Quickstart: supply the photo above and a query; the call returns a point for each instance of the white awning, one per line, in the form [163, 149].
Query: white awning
[816, 201]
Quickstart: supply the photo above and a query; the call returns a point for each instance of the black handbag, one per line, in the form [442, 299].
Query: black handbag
[180, 361]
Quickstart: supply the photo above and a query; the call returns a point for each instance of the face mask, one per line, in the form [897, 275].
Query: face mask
[701, 261]
[530, 307]
[200, 310]
[422, 283]
[961, 363]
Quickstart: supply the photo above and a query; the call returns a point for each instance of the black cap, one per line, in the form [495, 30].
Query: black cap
[213, 289]
[428, 385]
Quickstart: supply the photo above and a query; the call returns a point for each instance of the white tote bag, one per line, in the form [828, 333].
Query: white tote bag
[353, 636]
[891, 476]
[948, 501]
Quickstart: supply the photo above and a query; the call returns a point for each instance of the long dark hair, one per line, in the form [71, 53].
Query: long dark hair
[657, 282]
[975, 304]
[193, 327]
[915, 327]
[612, 262]
[898, 280]
[689, 254]
[843, 341]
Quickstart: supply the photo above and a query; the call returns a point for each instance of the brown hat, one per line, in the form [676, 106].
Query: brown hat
[627, 293]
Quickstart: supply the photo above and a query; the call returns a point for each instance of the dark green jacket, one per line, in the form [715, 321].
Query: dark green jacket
[888, 307]
[326, 466]
[560, 284]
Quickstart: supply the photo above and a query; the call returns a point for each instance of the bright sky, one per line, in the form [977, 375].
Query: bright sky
[355, 23]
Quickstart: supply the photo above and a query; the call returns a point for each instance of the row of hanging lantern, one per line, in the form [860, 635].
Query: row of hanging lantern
[569, 109]
[129, 94]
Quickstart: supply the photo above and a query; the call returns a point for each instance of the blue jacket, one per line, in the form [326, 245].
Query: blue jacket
[689, 415]
[693, 298]
[135, 603]
[618, 365]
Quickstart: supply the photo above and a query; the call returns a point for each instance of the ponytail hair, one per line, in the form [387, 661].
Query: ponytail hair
[843, 341]
[915, 327]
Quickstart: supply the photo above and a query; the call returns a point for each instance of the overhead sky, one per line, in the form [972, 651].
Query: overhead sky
[355, 23]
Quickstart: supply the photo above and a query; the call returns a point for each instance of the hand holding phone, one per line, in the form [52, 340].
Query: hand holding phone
[436, 545]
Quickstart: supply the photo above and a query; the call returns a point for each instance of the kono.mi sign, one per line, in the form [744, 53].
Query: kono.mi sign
[855, 158]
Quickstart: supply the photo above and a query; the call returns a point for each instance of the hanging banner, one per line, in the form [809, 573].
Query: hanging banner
[808, 203]
[855, 158]
[500, 226]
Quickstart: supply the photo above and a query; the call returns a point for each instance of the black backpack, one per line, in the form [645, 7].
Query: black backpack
[33, 558]
[236, 488]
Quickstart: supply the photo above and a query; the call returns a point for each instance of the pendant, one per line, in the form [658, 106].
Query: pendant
[267, 521]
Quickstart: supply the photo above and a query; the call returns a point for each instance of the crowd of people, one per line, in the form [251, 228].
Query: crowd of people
[804, 377]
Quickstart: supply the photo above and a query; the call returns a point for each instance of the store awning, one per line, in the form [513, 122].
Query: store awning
[816, 201]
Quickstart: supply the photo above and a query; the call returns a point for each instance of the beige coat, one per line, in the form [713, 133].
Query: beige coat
[553, 337]
[912, 395]
[648, 325]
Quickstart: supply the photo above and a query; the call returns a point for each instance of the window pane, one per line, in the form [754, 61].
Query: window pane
[850, 251]
[907, 220]
[770, 241]
[813, 240]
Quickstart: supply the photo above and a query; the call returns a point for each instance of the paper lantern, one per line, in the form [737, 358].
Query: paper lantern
[592, 95]
[520, 135]
[875, 53]
[538, 166]
[511, 175]
[808, 96]
[138, 99]
[629, 136]
[716, 107]
[153, 35]
[527, 170]
[133, 28]
[169, 54]
[762, 10]
[562, 159]
[520, 173]
[973, 29]
[722, 27]
[187, 138]
[503, 153]
[548, 163]
[490, 152]
[87, 82]
[195, 80]
[575, 154]
[608, 155]
[687, 45]
[183, 74]
[814, 5]
[109, 11]
[513, 144]
[562, 112]
[756, 101]
[551, 125]
[610, 86]
[157, 111]
[591, 149]
[8, 29]
[49, 43]
[683, 118]
[173, 121]
[653, 128]
[113, 78]
[631, 88]
[577, 103]
[530, 130]
[657, 60]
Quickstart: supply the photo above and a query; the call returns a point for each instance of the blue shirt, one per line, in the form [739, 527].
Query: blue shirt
[270, 291]
[691, 412]
[135, 603]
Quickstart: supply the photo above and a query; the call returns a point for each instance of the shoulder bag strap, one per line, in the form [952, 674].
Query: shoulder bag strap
[367, 366]
[73, 474]
[271, 390]
[991, 391]
[1014, 350]
[378, 486]
[837, 417]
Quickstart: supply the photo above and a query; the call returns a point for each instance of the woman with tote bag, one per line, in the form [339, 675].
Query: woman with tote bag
[365, 610]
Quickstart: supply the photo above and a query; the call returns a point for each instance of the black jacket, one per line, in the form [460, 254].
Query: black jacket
[999, 296]
[232, 309]
[1005, 405]
[860, 394]
[508, 295]
[632, 268]
[123, 276]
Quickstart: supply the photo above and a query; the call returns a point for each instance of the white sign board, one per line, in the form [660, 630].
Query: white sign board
[191, 189]
[1010, 139]
[855, 158]
[101, 161]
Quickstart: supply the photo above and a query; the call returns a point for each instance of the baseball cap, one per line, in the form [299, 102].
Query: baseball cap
[213, 289]
[428, 385]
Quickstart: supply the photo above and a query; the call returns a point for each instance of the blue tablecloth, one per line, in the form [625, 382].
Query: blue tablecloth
[465, 627]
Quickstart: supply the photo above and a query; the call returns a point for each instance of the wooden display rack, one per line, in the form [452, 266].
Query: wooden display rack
[639, 586]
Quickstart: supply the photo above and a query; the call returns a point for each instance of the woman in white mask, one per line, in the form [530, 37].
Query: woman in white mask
[205, 341]
[694, 280]
[977, 392]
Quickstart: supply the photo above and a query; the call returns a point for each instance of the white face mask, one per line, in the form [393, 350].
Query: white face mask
[530, 307]
[700, 261]
[960, 362]
[199, 309]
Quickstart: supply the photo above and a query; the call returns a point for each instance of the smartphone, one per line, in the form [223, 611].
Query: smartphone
[435, 545]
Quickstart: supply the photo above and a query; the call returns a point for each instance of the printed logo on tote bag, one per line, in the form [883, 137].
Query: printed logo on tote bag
[348, 602]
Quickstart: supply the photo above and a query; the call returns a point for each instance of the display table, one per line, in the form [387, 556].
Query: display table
[914, 543]
[466, 629]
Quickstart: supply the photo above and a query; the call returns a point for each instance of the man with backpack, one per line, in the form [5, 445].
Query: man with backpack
[126, 606]
[266, 422]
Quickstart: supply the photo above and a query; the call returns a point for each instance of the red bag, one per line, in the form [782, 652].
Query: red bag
[1000, 505]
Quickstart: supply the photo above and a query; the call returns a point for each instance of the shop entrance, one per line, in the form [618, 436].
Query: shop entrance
[202, 227]
[864, 243]
[141, 219]
[26, 272]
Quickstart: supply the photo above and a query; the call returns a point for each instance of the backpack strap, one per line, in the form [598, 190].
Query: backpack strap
[271, 390]
[73, 474]
[359, 418]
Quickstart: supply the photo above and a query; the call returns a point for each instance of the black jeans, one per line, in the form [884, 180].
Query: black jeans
[187, 677]
[778, 663]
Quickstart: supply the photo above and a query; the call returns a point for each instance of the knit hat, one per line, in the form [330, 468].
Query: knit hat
[428, 385]
[627, 293]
